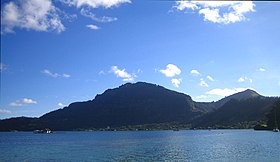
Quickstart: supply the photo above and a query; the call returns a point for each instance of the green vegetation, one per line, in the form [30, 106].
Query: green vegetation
[144, 106]
[273, 118]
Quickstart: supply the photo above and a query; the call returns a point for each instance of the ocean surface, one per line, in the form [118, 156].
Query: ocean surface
[183, 145]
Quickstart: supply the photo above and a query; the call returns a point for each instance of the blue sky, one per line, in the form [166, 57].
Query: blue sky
[54, 53]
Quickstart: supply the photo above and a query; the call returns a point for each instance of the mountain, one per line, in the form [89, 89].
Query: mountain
[247, 94]
[235, 112]
[19, 124]
[129, 104]
[210, 106]
[243, 108]
[147, 104]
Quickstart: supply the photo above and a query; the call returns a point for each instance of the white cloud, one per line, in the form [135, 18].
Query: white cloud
[95, 3]
[261, 70]
[23, 102]
[225, 92]
[93, 27]
[66, 75]
[104, 19]
[224, 12]
[171, 70]
[49, 73]
[16, 104]
[210, 78]
[28, 101]
[195, 72]
[55, 75]
[123, 74]
[279, 83]
[210, 14]
[61, 104]
[243, 79]
[39, 15]
[101, 72]
[139, 71]
[201, 97]
[176, 82]
[2, 67]
[4, 111]
[203, 83]
[182, 5]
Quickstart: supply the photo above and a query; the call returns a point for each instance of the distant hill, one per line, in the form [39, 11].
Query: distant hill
[147, 104]
[210, 106]
[243, 107]
[247, 94]
[235, 112]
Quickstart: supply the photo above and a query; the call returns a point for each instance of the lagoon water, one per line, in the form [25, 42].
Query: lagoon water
[187, 145]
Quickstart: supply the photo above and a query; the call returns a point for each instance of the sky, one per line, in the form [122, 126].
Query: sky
[57, 52]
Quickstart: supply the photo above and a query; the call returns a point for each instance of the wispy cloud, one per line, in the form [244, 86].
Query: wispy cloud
[224, 12]
[104, 19]
[210, 78]
[195, 72]
[49, 73]
[55, 75]
[95, 3]
[93, 27]
[2, 67]
[202, 83]
[101, 72]
[139, 71]
[61, 104]
[65, 75]
[171, 70]
[4, 111]
[201, 97]
[243, 79]
[123, 74]
[225, 92]
[176, 82]
[23, 102]
[39, 15]
[261, 69]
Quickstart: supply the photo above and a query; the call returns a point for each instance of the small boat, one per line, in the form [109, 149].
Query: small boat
[275, 130]
[43, 131]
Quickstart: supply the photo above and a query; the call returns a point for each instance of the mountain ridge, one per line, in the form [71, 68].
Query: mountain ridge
[143, 104]
[243, 95]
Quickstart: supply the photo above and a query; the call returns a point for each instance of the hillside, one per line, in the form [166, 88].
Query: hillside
[130, 104]
[148, 104]
[236, 112]
[211, 106]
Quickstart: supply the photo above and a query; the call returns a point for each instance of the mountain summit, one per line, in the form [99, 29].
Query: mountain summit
[244, 95]
[147, 104]
[130, 104]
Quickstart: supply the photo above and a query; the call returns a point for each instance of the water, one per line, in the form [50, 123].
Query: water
[190, 145]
